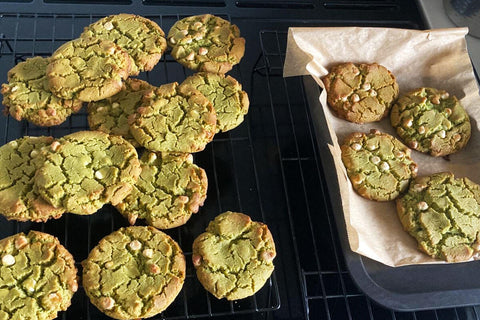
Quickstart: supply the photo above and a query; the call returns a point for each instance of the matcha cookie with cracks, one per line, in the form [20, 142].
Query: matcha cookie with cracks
[234, 257]
[378, 165]
[19, 160]
[111, 115]
[443, 214]
[169, 189]
[206, 43]
[27, 95]
[431, 121]
[86, 169]
[174, 118]
[226, 94]
[88, 69]
[38, 277]
[134, 273]
[360, 93]
[142, 38]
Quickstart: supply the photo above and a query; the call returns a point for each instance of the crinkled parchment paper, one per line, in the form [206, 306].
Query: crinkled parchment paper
[431, 58]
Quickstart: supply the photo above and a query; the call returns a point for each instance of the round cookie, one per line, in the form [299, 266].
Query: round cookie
[229, 100]
[360, 93]
[19, 160]
[111, 115]
[206, 43]
[27, 95]
[38, 277]
[378, 165]
[87, 169]
[135, 272]
[142, 38]
[443, 214]
[431, 121]
[169, 189]
[174, 118]
[234, 257]
[88, 69]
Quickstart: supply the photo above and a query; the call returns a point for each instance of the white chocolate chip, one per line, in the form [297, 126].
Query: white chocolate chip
[108, 26]
[154, 269]
[448, 112]
[29, 284]
[344, 99]
[135, 245]
[444, 95]
[21, 242]
[184, 32]
[8, 260]
[190, 57]
[183, 199]
[132, 218]
[197, 25]
[435, 100]
[408, 122]
[33, 153]
[109, 264]
[366, 86]
[355, 97]
[413, 168]
[100, 108]
[198, 37]
[375, 160]
[115, 105]
[399, 154]
[147, 253]
[421, 130]
[13, 144]
[371, 147]
[373, 93]
[188, 40]
[107, 303]
[202, 51]
[356, 146]
[172, 40]
[456, 137]
[55, 145]
[14, 88]
[74, 285]
[417, 187]
[413, 144]
[152, 157]
[189, 158]
[384, 166]
[422, 205]
[268, 255]
[442, 134]
[357, 179]
[99, 175]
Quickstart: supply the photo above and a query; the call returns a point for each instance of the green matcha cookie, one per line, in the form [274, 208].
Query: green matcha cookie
[134, 273]
[206, 43]
[234, 257]
[378, 165]
[226, 95]
[174, 118]
[431, 121]
[86, 169]
[443, 214]
[88, 69]
[19, 160]
[111, 115]
[169, 189]
[37, 277]
[142, 38]
[27, 95]
[360, 93]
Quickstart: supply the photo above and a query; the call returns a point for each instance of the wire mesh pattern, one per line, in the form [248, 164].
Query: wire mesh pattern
[228, 161]
[327, 288]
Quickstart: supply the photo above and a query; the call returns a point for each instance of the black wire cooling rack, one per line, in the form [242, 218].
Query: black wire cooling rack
[228, 161]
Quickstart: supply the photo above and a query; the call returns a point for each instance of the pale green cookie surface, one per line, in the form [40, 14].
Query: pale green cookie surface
[27, 95]
[88, 69]
[133, 273]
[378, 165]
[111, 115]
[431, 121]
[362, 92]
[86, 169]
[229, 100]
[19, 160]
[142, 38]
[443, 214]
[206, 43]
[38, 277]
[169, 190]
[234, 257]
[174, 118]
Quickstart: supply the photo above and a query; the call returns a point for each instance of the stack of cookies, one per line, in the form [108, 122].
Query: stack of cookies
[44, 177]
[440, 212]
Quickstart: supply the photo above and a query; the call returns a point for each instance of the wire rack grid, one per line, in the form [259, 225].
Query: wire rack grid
[228, 161]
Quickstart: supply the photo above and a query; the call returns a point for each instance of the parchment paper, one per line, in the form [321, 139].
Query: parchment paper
[432, 58]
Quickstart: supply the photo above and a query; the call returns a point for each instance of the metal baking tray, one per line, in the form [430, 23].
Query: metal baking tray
[407, 288]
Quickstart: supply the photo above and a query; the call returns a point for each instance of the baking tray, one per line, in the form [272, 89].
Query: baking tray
[406, 288]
